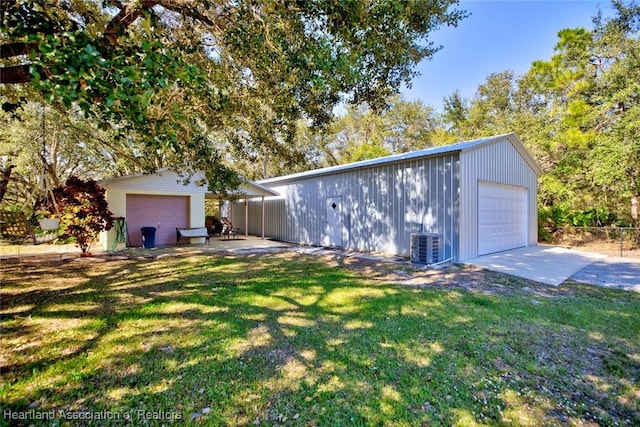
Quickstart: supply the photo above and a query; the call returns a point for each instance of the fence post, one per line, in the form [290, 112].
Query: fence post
[621, 239]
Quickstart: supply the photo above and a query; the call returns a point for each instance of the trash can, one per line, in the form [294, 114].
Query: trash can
[148, 237]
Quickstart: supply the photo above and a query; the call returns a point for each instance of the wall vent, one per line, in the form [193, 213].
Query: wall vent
[426, 248]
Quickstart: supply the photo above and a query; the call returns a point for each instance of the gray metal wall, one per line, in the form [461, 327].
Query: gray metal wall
[501, 163]
[381, 206]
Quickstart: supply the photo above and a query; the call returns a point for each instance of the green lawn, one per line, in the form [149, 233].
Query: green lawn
[292, 340]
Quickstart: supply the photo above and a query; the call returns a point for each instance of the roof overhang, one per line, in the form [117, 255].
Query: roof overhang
[118, 179]
[249, 190]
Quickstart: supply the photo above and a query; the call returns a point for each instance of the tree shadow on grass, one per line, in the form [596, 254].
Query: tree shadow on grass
[278, 339]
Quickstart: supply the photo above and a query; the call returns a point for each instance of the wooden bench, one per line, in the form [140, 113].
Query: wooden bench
[190, 233]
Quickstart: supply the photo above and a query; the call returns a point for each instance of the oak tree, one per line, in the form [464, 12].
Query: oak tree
[174, 72]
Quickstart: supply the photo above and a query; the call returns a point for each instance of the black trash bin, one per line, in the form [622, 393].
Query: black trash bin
[148, 237]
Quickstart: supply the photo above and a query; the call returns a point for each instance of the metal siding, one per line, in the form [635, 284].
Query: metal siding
[382, 205]
[275, 219]
[396, 202]
[500, 163]
[236, 215]
[454, 206]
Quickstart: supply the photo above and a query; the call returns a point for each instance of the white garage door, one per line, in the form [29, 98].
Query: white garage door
[165, 213]
[502, 217]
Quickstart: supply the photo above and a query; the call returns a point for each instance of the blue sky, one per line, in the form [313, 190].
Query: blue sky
[499, 35]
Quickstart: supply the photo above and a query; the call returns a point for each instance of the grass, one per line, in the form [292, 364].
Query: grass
[292, 340]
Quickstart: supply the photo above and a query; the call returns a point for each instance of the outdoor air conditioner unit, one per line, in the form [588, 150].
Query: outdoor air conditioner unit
[426, 248]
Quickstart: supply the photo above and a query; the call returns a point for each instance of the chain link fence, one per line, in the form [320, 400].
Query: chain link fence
[613, 241]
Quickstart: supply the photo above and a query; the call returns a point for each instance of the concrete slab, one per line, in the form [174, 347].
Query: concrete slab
[240, 245]
[545, 264]
[244, 244]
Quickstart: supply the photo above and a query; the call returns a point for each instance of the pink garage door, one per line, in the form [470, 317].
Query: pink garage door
[165, 213]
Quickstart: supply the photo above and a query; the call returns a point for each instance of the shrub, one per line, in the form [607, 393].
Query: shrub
[82, 209]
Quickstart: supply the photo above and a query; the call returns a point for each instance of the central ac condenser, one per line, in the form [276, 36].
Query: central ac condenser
[426, 248]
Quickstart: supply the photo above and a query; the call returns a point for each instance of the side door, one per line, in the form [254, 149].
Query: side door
[333, 226]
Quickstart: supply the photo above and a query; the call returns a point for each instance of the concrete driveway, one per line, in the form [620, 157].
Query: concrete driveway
[545, 264]
[612, 272]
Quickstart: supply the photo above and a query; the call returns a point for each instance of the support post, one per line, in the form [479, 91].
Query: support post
[262, 225]
[246, 217]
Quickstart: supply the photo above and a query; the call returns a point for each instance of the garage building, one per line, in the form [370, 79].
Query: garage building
[158, 200]
[164, 201]
[476, 197]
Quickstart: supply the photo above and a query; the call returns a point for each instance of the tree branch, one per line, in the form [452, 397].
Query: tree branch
[125, 18]
[17, 74]
[187, 8]
[9, 50]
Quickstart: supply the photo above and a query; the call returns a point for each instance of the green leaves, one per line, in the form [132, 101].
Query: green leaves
[579, 114]
[167, 72]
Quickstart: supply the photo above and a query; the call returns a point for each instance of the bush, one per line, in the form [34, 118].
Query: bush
[82, 209]
[551, 218]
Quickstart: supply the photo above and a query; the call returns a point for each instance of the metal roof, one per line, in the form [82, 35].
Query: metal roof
[428, 152]
[107, 181]
[249, 189]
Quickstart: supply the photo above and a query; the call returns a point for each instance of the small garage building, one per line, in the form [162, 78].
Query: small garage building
[158, 200]
[478, 196]
[164, 201]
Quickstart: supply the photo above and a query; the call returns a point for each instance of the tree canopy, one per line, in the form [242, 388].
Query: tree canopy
[578, 112]
[115, 87]
[176, 73]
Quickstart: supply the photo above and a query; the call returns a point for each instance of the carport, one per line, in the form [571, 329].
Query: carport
[250, 190]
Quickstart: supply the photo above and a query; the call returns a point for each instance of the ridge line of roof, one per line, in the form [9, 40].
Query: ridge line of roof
[427, 152]
[131, 176]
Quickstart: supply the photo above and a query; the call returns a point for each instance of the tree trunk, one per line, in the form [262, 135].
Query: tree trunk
[634, 218]
[635, 198]
[635, 204]
[6, 176]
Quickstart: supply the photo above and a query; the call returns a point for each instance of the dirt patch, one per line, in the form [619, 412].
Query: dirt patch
[605, 248]
[382, 270]
[613, 242]
[456, 276]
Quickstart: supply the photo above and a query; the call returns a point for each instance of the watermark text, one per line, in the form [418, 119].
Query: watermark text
[69, 415]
